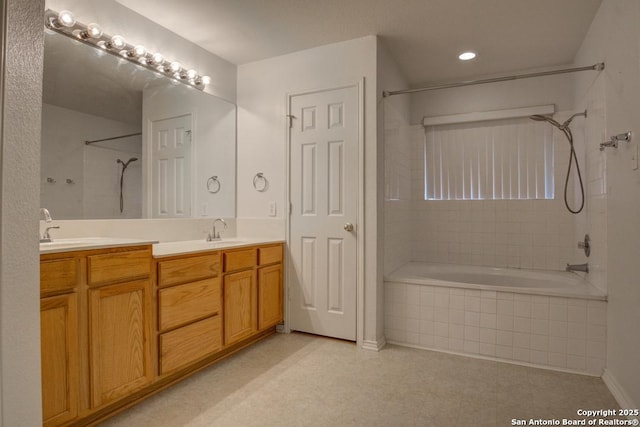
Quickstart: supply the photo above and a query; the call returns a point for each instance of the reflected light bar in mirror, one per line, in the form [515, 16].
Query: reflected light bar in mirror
[66, 24]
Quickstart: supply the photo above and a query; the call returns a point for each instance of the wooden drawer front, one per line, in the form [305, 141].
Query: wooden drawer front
[118, 266]
[237, 260]
[58, 275]
[189, 269]
[269, 255]
[186, 345]
[183, 304]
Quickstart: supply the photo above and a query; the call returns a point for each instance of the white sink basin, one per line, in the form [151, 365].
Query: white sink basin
[184, 246]
[86, 242]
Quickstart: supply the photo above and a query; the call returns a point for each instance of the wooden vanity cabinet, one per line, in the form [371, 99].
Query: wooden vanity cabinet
[59, 280]
[117, 325]
[252, 291]
[95, 329]
[270, 298]
[189, 310]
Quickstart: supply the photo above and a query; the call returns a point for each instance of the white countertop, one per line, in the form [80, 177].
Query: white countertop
[83, 243]
[166, 249]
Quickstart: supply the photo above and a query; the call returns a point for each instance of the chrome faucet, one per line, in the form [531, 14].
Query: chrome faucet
[47, 216]
[578, 267]
[215, 236]
[46, 237]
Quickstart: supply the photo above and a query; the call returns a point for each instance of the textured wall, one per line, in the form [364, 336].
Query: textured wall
[19, 201]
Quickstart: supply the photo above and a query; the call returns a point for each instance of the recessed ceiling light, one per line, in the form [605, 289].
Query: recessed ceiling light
[466, 56]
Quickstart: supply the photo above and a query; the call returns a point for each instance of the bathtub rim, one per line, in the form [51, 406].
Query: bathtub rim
[591, 292]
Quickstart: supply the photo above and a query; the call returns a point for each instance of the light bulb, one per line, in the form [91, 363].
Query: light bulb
[117, 42]
[192, 74]
[139, 51]
[66, 19]
[93, 30]
[157, 58]
[205, 80]
[175, 67]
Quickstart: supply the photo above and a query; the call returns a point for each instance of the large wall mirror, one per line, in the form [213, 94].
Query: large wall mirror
[119, 141]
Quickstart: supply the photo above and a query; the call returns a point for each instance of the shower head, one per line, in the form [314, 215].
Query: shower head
[125, 164]
[541, 118]
[563, 126]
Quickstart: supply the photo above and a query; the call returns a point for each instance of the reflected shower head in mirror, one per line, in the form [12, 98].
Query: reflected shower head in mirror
[124, 165]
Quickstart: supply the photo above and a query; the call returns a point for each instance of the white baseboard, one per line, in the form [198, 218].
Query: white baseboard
[617, 391]
[374, 345]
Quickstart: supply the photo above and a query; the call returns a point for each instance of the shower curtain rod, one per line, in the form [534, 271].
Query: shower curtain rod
[597, 67]
[112, 138]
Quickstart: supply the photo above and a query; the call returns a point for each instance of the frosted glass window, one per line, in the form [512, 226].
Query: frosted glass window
[499, 159]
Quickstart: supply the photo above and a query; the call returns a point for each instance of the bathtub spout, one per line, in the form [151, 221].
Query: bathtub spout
[578, 267]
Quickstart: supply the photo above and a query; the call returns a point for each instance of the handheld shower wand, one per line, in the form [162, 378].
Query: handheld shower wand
[124, 167]
[564, 127]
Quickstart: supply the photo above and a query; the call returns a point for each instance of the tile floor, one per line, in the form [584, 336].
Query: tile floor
[304, 380]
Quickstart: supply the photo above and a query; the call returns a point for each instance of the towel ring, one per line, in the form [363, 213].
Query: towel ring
[213, 185]
[256, 182]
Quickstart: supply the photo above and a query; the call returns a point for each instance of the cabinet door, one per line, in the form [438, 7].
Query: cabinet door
[240, 303]
[59, 348]
[120, 330]
[269, 296]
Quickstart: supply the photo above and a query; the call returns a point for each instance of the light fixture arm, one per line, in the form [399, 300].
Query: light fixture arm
[64, 23]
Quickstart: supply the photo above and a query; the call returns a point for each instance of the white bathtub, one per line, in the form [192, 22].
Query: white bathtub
[534, 282]
[555, 320]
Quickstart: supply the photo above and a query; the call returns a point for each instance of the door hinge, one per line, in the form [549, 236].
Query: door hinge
[290, 208]
[291, 117]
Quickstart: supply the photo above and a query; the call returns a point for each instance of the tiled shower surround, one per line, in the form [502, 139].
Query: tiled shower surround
[555, 332]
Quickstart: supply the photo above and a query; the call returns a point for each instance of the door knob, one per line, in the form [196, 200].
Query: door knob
[348, 226]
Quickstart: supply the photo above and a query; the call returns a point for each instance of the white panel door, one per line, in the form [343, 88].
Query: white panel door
[324, 196]
[171, 167]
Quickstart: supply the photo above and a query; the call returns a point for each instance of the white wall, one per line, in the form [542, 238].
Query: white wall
[613, 38]
[20, 96]
[93, 169]
[262, 134]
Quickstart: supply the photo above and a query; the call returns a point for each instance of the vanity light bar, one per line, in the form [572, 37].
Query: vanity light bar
[65, 23]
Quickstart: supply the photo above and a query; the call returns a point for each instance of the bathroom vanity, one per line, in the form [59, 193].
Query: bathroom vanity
[122, 320]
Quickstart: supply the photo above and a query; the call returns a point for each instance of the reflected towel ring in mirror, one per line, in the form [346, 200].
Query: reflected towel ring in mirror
[213, 185]
[260, 182]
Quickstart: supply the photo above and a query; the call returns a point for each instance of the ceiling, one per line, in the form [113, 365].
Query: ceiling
[424, 36]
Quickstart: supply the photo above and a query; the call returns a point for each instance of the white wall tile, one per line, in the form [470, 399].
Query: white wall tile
[504, 323]
[456, 331]
[487, 349]
[521, 340]
[488, 336]
[505, 307]
[504, 352]
[576, 362]
[540, 326]
[504, 338]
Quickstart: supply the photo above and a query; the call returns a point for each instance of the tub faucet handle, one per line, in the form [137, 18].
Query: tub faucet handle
[586, 245]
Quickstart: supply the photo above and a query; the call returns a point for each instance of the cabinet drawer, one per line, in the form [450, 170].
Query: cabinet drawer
[118, 266]
[179, 305]
[269, 255]
[186, 345]
[237, 260]
[58, 275]
[189, 269]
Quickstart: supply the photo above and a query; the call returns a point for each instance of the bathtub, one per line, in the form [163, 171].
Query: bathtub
[533, 282]
[554, 320]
